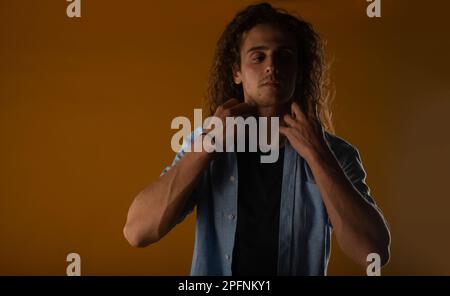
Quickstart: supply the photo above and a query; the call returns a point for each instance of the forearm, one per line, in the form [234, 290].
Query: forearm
[154, 211]
[360, 228]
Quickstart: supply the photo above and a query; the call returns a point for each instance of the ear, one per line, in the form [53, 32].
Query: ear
[237, 74]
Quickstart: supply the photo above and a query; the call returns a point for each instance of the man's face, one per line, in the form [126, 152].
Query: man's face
[268, 69]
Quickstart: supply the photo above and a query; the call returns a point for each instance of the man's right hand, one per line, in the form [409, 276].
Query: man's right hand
[231, 108]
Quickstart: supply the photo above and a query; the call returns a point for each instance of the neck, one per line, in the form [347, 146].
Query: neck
[273, 111]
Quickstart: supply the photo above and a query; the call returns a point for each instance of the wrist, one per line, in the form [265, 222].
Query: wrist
[319, 155]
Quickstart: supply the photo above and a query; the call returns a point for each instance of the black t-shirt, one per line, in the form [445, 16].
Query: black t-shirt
[259, 191]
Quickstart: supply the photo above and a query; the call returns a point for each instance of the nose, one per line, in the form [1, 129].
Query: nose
[271, 68]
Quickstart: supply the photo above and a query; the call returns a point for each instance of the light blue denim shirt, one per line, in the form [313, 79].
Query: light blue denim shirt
[304, 241]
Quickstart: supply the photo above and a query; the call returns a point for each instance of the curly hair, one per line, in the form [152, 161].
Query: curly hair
[313, 71]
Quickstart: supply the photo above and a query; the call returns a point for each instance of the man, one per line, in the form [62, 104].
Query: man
[266, 218]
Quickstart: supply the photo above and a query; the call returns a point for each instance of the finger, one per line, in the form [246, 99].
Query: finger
[247, 114]
[230, 103]
[290, 121]
[286, 131]
[296, 111]
[312, 109]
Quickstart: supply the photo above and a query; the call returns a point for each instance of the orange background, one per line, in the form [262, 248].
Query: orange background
[86, 106]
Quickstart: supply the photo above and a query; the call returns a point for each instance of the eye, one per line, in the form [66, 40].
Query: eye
[258, 57]
[286, 55]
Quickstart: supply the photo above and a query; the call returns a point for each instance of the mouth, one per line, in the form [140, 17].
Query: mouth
[272, 83]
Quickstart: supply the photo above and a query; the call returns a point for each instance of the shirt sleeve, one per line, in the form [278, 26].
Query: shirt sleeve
[354, 170]
[350, 161]
[199, 190]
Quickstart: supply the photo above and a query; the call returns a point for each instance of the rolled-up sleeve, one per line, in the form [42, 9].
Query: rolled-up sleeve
[200, 188]
[354, 170]
[350, 161]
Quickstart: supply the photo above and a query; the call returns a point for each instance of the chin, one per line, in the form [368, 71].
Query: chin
[271, 101]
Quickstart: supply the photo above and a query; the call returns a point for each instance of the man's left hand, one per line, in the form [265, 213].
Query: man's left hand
[304, 131]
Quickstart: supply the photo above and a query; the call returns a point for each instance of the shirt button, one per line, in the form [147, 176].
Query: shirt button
[227, 257]
[231, 216]
[232, 178]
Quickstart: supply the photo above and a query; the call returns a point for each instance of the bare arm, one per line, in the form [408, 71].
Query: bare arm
[155, 209]
[359, 226]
